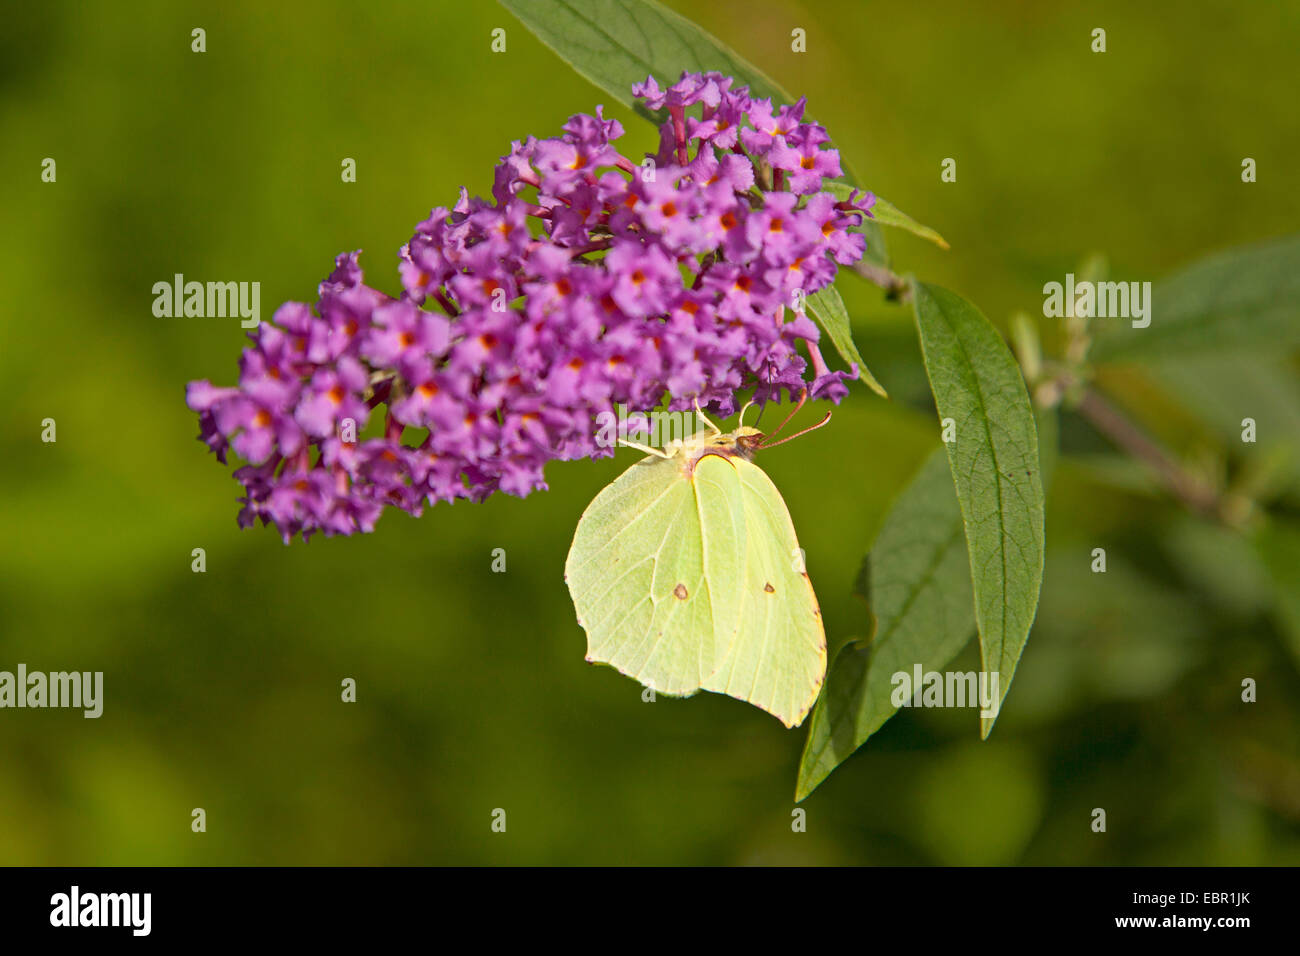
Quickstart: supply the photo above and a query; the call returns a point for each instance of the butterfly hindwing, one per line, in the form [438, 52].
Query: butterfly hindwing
[653, 571]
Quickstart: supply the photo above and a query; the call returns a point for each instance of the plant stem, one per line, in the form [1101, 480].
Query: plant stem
[1111, 422]
[894, 285]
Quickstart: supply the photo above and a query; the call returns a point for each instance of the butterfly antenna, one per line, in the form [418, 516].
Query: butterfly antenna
[810, 428]
[803, 397]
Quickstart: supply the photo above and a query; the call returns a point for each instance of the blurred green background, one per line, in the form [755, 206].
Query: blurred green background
[222, 689]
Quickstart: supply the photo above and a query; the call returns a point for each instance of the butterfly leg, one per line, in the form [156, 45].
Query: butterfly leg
[741, 420]
[644, 448]
[705, 419]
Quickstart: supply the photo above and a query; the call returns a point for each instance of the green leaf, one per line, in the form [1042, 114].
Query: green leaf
[1249, 296]
[885, 213]
[995, 466]
[917, 581]
[1223, 388]
[827, 307]
[615, 43]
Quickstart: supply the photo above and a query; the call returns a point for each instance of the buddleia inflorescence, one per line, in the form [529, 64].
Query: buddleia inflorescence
[588, 281]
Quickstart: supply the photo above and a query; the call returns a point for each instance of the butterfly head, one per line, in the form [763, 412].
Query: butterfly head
[742, 442]
[747, 439]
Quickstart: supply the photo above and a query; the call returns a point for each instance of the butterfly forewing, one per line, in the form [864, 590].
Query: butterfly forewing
[653, 571]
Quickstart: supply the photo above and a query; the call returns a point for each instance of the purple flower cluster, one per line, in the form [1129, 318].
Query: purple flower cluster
[587, 282]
